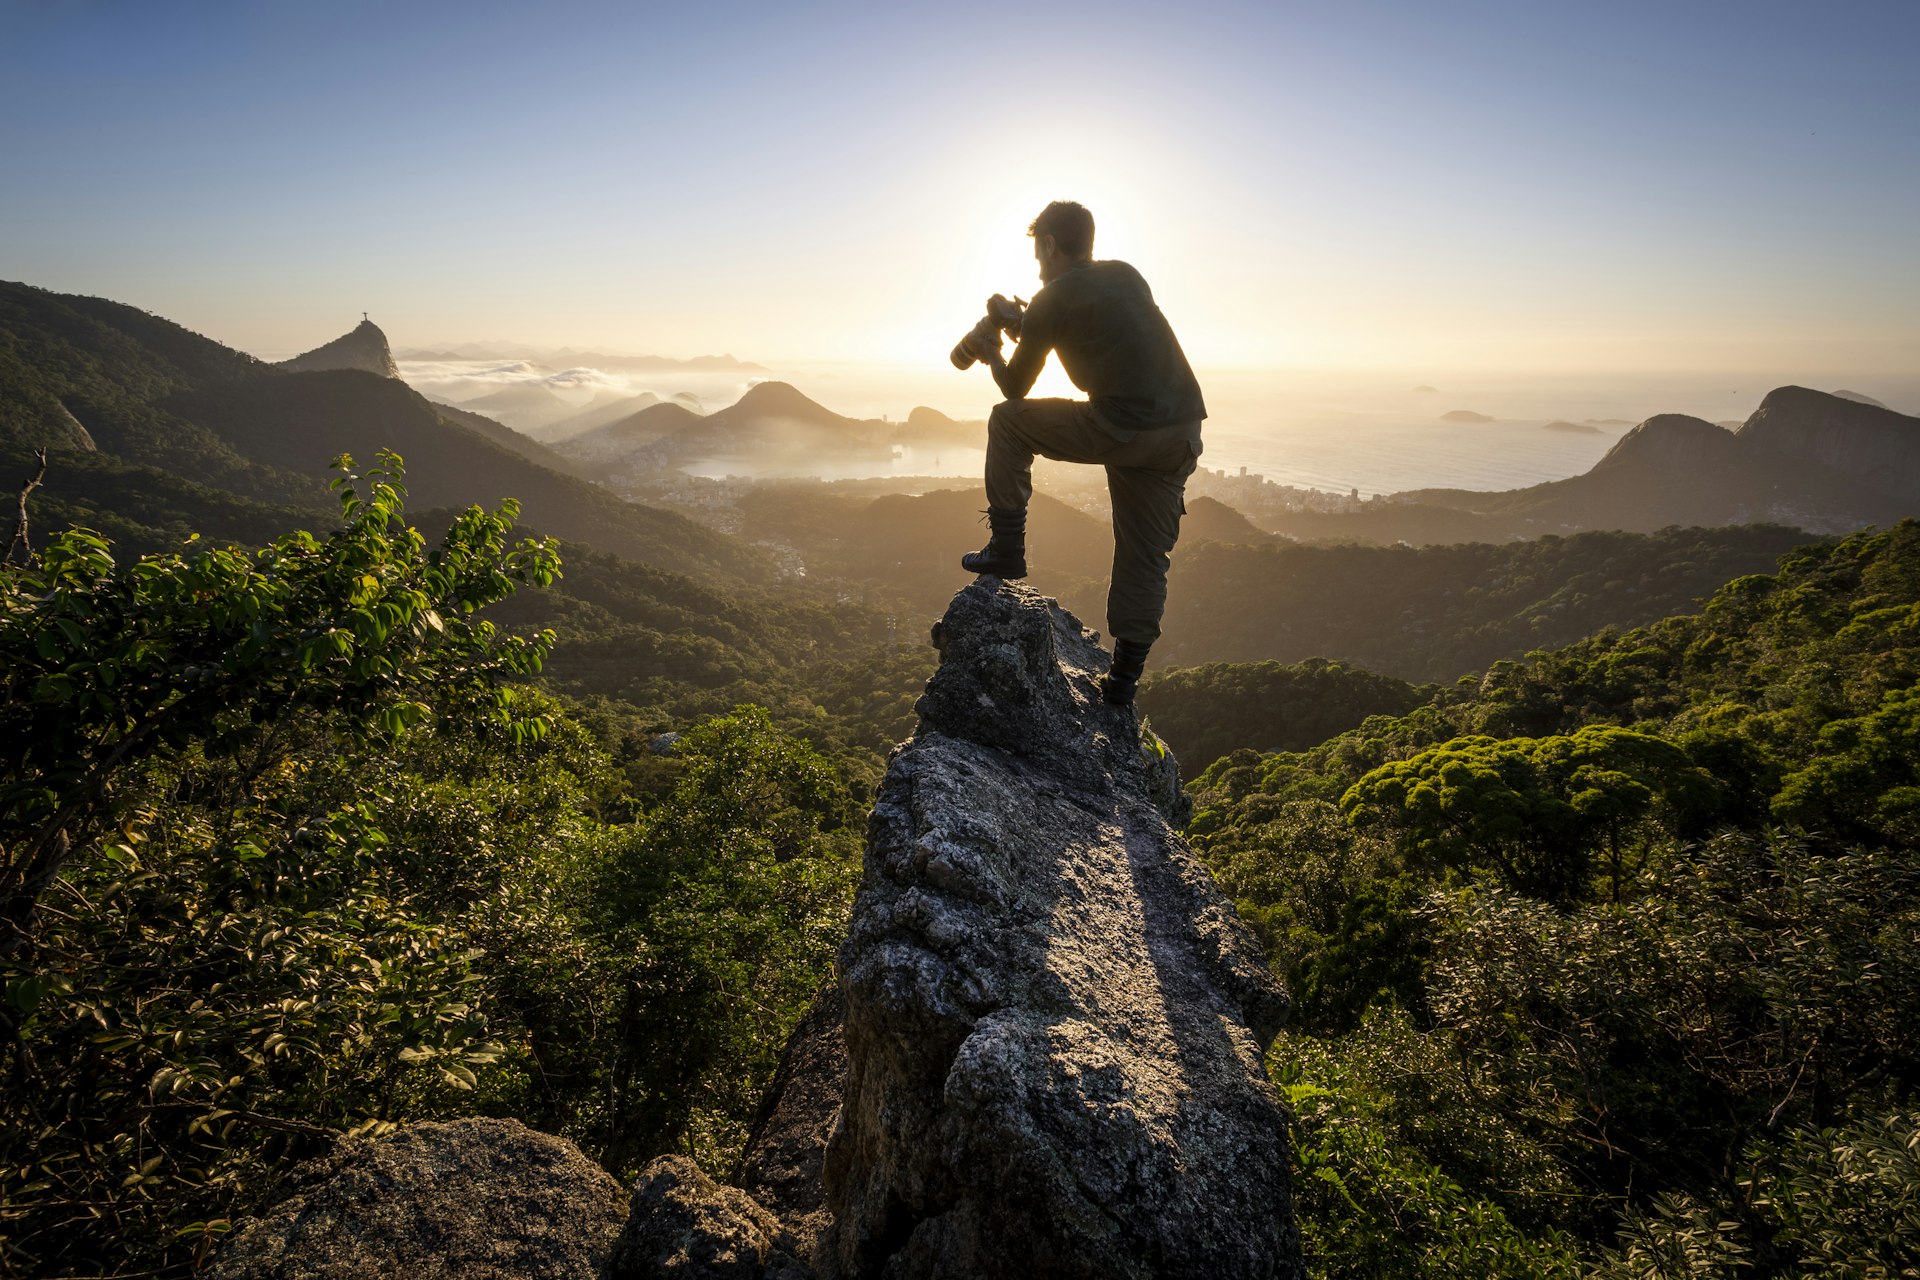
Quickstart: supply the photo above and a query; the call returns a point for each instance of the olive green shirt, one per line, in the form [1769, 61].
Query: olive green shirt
[1114, 344]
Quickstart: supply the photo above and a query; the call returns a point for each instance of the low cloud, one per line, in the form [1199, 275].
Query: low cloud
[587, 376]
[458, 380]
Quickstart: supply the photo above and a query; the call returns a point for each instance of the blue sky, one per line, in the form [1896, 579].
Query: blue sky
[1516, 185]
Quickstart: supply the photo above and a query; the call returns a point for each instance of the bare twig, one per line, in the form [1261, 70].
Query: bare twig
[21, 539]
[279, 1123]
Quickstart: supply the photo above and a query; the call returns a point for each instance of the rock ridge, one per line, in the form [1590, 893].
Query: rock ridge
[1054, 1023]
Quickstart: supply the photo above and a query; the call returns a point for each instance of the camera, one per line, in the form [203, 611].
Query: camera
[1003, 316]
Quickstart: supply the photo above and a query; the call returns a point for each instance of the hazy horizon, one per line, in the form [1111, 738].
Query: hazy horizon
[1374, 431]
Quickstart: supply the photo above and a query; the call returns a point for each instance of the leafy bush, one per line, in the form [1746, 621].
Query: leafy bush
[322, 862]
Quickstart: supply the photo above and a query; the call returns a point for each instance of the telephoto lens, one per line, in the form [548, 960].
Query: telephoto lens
[963, 357]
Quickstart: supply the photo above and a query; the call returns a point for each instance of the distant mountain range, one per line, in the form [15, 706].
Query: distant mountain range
[610, 407]
[1808, 459]
[773, 419]
[110, 388]
[158, 432]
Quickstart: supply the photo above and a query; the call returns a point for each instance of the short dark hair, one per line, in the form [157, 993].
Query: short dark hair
[1070, 225]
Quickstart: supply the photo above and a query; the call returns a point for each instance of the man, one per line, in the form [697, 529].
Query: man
[1141, 421]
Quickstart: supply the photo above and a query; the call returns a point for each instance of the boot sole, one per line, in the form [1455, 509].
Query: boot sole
[994, 569]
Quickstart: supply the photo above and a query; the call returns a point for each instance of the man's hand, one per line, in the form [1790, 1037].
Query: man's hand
[985, 346]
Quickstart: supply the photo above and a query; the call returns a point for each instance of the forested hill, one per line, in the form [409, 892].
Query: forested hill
[1436, 613]
[1606, 964]
[1236, 595]
[81, 374]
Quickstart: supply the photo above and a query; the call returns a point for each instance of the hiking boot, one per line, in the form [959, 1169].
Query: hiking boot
[1005, 555]
[1123, 677]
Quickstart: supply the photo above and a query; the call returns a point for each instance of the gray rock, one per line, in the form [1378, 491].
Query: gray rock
[473, 1199]
[687, 1226]
[1054, 1023]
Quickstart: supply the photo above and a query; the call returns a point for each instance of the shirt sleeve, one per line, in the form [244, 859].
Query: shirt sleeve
[1017, 376]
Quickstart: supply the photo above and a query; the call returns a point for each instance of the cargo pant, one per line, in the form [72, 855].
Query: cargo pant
[1146, 477]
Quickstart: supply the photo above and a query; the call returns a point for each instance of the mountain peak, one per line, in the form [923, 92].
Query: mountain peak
[922, 416]
[1670, 440]
[1874, 445]
[364, 347]
[781, 400]
[1803, 405]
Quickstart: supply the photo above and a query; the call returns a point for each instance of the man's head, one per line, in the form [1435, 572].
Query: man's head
[1062, 237]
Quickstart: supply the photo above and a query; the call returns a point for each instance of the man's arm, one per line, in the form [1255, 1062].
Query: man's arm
[1017, 376]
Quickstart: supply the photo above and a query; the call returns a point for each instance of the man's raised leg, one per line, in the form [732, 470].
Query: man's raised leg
[1017, 432]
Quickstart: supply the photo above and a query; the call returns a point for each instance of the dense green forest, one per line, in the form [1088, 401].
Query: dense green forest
[1608, 962]
[1603, 963]
[1437, 613]
[1208, 711]
[292, 850]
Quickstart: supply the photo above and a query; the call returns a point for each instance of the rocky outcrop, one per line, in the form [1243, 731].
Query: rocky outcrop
[473, 1199]
[1054, 1024]
[1871, 445]
[73, 431]
[28, 424]
[364, 348]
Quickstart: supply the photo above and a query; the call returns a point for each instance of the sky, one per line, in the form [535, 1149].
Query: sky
[1440, 185]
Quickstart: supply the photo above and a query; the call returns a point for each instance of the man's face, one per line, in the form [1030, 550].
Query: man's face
[1048, 256]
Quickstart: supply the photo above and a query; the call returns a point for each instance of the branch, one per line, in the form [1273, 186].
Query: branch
[20, 538]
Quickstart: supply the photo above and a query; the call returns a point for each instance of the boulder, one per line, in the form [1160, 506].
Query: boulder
[1054, 1023]
[686, 1226]
[473, 1199]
